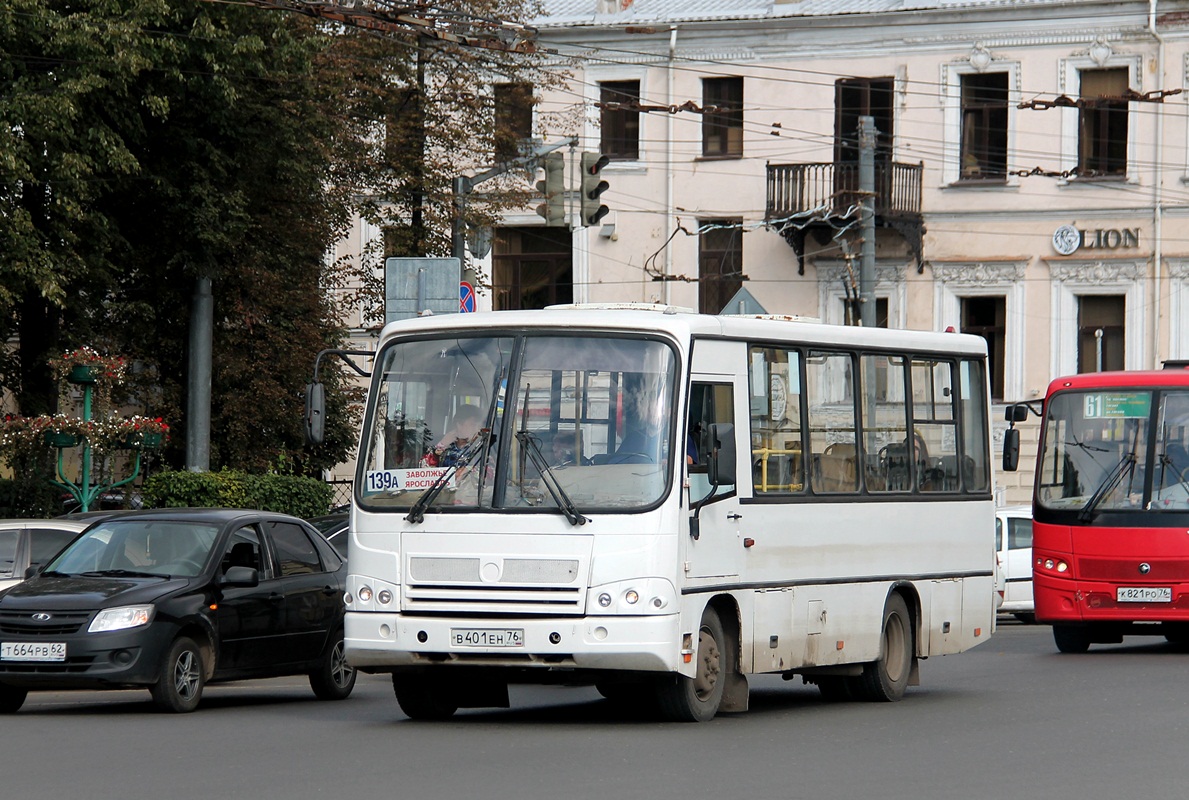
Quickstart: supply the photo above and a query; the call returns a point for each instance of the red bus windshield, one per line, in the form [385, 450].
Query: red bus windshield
[1115, 449]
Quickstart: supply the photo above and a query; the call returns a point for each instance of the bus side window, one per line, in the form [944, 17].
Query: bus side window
[710, 403]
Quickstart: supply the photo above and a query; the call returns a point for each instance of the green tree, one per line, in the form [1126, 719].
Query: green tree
[147, 143]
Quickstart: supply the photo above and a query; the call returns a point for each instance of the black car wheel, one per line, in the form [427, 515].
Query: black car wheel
[179, 686]
[334, 678]
[11, 699]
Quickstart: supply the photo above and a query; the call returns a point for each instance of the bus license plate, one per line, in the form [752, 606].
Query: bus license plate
[1143, 594]
[487, 637]
[33, 651]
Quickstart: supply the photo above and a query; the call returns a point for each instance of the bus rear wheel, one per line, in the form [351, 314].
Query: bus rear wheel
[886, 678]
[423, 698]
[1071, 638]
[697, 699]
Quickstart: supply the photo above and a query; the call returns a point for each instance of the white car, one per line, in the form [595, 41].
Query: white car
[1013, 544]
[31, 542]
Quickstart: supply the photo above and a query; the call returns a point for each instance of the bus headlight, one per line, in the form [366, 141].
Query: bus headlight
[635, 596]
[365, 594]
[384, 597]
[1052, 564]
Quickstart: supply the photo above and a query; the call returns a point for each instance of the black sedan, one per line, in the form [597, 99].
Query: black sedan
[335, 527]
[174, 599]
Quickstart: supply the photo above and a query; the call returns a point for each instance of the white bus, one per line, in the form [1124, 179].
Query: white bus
[661, 503]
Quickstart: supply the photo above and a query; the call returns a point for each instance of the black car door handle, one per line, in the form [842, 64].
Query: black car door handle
[329, 591]
[275, 598]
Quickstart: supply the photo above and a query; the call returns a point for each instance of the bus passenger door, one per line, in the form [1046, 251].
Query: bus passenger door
[714, 545]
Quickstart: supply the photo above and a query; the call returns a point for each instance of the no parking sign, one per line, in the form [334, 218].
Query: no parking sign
[466, 297]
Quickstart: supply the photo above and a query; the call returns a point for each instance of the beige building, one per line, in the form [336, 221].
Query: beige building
[1031, 161]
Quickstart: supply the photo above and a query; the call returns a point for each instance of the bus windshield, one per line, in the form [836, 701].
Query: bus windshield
[544, 421]
[1116, 449]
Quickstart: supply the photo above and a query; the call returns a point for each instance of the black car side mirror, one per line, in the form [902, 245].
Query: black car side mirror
[240, 576]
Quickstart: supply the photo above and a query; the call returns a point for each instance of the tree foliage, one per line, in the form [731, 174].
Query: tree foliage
[145, 144]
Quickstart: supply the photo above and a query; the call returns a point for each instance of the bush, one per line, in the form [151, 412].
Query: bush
[286, 494]
[26, 497]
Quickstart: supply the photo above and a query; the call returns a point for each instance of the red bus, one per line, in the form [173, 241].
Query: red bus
[1110, 507]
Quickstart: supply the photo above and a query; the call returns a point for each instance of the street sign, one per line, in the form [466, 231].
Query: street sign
[414, 285]
[466, 297]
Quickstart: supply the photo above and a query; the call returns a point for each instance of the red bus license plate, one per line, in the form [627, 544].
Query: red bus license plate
[1143, 594]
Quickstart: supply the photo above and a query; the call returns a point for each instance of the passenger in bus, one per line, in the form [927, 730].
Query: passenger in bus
[463, 429]
[641, 442]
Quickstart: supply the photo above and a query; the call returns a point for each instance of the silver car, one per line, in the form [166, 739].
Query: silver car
[32, 542]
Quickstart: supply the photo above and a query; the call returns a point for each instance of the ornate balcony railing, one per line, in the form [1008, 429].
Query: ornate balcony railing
[805, 196]
[831, 190]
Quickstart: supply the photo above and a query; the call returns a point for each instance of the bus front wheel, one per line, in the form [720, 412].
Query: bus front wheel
[422, 697]
[886, 678]
[697, 699]
[1071, 638]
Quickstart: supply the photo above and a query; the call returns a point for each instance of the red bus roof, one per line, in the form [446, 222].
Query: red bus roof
[1153, 378]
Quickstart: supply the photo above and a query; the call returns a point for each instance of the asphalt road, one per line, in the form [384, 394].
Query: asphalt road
[1010, 719]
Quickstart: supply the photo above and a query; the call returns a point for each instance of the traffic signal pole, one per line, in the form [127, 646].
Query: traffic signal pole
[464, 185]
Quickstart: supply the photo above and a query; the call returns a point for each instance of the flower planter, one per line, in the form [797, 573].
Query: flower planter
[83, 373]
[56, 439]
[142, 441]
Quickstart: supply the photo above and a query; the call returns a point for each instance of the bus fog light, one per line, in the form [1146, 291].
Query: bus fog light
[365, 594]
[385, 597]
[385, 632]
[657, 602]
[632, 597]
[555, 638]
[600, 633]
[604, 599]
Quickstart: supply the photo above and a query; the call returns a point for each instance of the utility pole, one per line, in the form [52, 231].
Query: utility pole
[867, 135]
[198, 393]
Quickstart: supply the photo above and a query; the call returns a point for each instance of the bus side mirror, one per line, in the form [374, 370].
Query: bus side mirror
[1018, 412]
[315, 419]
[722, 454]
[1011, 449]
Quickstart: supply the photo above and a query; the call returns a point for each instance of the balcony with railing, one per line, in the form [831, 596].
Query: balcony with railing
[825, 197]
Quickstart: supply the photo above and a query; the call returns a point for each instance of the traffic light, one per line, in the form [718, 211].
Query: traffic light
[554, 190]
[592, 187]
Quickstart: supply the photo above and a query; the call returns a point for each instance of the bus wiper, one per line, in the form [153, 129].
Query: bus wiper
[563, 501]
[1126, 464]
[478, 444]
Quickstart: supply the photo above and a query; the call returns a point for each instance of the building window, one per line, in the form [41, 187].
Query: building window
[720, 263]
[1102, 123]
[987, 317]
[862, 97]
[984, 126]
[722, 129]
[620, 127]
[531, 268]
[852, 310]
[513, 118]
[1101, 320]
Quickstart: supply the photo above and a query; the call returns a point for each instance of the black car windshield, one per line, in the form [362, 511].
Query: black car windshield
[122, 548]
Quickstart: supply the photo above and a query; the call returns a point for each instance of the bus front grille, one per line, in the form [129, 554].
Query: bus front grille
[487, 585]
